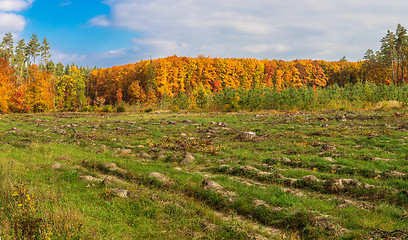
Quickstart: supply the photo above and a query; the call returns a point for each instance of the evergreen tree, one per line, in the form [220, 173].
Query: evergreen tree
[33, 47]
[50, 66]
[7, 46]
[20, 58]
[45, 51]
[370, 56]
[67, 69]
[388, 51]
[401, 43]
[59, 70]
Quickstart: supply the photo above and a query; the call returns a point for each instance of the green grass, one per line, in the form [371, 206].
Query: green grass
[254, 202]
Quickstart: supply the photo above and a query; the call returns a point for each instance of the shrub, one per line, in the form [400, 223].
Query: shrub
[149, 109]
[86, 109]
[120, 108]
[107, 108]
[39, 106]
[180, 101]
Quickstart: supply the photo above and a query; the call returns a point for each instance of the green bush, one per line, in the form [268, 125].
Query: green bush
[39, 106]
[86, 109]
[107, 108]
[120, 108]
[180, 101]
[149, 109]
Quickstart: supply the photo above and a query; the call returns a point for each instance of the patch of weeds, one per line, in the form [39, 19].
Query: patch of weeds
[231, 232]
[174, 210]
[27, 222]
[206, 146]
[69, 176]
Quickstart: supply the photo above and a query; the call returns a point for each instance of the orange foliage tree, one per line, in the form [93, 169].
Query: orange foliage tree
[6, 86]
[39, 90]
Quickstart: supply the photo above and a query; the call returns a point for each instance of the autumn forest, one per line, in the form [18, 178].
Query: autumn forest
[31, 82]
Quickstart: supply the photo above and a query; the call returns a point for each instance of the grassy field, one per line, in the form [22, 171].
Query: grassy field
[265, 175]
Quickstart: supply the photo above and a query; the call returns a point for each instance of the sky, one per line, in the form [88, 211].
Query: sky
[105, 33]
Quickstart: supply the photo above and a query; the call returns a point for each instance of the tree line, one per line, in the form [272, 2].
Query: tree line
[392, 58]
[31, 82]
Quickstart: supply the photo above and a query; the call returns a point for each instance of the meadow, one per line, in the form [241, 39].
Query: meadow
[204, 175]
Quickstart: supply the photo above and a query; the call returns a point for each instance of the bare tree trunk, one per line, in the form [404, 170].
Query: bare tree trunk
[393, 74]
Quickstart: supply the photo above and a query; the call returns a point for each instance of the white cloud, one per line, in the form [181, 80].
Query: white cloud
[260, 28]
[66, 58]
[160, 47]
[260, 48]
[101, 21]
[66, 3]
[14, 5]
[10, 22]
[116, 52]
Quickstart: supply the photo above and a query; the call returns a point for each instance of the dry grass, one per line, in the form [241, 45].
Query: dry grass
[388, 106]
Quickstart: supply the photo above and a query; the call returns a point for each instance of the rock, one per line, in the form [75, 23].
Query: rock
[330, 159]
[126, 151]
[348, 182]
[161, 178]
[209, 184]
[325, 125]
[222, 124]
[160, 155]
[286, 160]
[248, 135]
[110, 179]
[280, 176]
[262, 173]
[340, 185]
[278, 209]
[328, 147]
[144, 155]
[112, 167]
[14, 129]
[244, 169]
[188, 158]
[259, 202]
[56, 166]
[290, 181]
[140, 146]
[293, 192]
[183, 135]
[395, 173]
[172, 122]
[60, 131]
[120, 192]
[89, 178]
[310, 179]
[213, 123]
[187, 121]
[384, 159]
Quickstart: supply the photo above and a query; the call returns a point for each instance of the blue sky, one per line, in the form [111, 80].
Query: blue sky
[113, 32]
